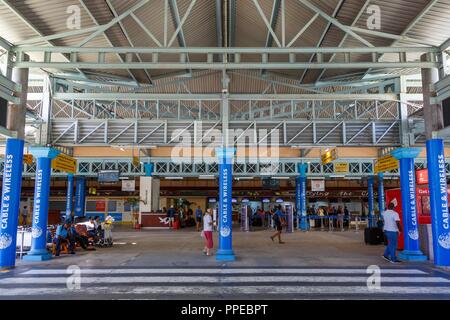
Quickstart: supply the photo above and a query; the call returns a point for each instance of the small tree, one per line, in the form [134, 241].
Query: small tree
[134, 202]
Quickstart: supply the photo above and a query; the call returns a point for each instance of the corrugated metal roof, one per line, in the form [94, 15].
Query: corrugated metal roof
[50, 17]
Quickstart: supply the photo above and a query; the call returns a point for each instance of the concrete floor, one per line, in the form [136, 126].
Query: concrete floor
[161, 248]
[141, 254]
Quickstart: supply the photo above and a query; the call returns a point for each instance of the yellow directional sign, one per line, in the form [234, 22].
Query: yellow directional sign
[386, 163]
[341, 167]
[329, 156]
[65, 163]
[28, 158]
[136, 161]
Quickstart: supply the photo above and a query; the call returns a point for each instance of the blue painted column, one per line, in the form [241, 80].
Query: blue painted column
[148, 169]
[225, 250]
[440, 223]
[10, 202]
[69, 196]
[411, 251]
[381, 192]
[44, 158]
[370, 202]
[80, 197]
[298, 200]
[301, 196]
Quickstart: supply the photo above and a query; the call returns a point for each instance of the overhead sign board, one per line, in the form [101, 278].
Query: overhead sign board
[341, 167]
[317, 185]
[65, 163]
[386, 163]
[129, 185]
[28, 159]
[422, 176]
[329, 156]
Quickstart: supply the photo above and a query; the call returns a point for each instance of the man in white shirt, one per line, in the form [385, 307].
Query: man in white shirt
[391, 228]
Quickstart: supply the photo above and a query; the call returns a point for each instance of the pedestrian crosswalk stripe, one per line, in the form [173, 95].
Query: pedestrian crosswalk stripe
[229, 290]
[219, 279]
[223, 271]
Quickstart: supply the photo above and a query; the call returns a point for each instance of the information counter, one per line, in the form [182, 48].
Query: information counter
[154, 220]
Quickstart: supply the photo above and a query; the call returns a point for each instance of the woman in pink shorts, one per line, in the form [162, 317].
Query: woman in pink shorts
[208, 232]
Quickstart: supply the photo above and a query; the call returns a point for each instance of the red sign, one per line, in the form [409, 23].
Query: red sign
[100, 206]
[422, 176]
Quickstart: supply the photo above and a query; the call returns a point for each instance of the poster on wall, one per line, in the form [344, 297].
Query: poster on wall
[317, 185]
[120, 206]
[100, 206]
[129, 185]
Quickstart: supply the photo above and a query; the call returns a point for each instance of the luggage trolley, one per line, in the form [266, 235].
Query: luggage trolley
[106, 240]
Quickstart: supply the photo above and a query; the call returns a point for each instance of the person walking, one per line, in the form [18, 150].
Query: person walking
[208, 232]
[171, 216]
[340, 218]
[279, 220]
[198, 217]
[346, 217]
[24, 214]
[392, 228]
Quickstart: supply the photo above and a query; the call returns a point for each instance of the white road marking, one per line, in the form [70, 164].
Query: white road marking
[221, 271]
[232, 290]
[218, 279]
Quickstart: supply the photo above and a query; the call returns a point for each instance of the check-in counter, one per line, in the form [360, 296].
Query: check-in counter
[154, 220]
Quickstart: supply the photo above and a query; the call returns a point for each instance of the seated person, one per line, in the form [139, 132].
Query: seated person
[91, 229]
[82, 240]
[63, 233]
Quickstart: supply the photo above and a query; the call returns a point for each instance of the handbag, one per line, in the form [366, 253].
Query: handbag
[203, 234]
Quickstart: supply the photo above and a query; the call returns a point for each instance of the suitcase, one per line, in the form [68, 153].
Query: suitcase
[373, 236]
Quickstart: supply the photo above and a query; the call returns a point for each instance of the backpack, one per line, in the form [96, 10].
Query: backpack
[276, 218]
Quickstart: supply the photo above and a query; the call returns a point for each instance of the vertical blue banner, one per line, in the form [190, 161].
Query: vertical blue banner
[298, 200]
[225, 250]
[409, 208]
[69, 196]
[370, 201]
[301, 196]
[381, 192]
[80, 197]
[303, 222]
[437, 178]
[40, 211]
[411, 251]
[10, 202]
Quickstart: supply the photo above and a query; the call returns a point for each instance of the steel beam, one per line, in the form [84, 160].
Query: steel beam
[217, 97]
[82, 2]
[334, 21]
[113, 22]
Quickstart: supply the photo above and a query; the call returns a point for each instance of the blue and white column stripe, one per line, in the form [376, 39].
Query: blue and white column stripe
[225, 157]
[10, 202]
[440, 223]
[410, 221]
[44, 156]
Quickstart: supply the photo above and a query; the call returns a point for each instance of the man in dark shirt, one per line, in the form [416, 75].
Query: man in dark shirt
[171, 215]
[279, 220]
[198, 217]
